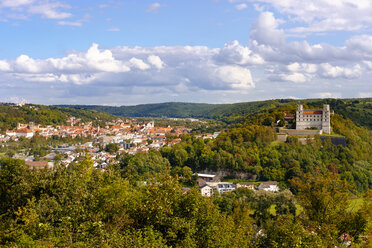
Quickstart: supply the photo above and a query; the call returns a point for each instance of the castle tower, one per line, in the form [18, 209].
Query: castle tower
[299, 115]
[31, 126]
[326, 119]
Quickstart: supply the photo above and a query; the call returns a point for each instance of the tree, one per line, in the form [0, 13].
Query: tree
[112, 148]
[325, 199]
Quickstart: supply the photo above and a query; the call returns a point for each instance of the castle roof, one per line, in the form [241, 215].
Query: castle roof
[312, 112]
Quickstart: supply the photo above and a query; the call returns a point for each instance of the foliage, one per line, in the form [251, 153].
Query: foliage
[358, 110]
[323, 198]
[79, 206]
[112, 148]
[46, 115]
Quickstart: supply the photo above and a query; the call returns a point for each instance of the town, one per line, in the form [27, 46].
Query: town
[132, 136]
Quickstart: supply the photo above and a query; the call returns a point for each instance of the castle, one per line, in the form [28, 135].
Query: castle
[310, 118]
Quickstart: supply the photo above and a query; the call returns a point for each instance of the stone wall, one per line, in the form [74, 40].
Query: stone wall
[294, 132]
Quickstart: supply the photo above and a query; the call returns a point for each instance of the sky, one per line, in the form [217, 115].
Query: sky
[131, 52]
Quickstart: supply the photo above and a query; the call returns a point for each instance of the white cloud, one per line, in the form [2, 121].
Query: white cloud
[233, 52]
[4, 66]
[365, 94]
[103, 60]
[324, 15]
[330, 71]
[241, 6]
[22, 9]
[114, 29]
[154, 7]
[265, 30]
[139, 64]
[50, 10]
[328, 95]
[155, 61]
[14, 3]
[238, 77]
[149, 68]
[302, 67]
[74, 24]
[295, 77]
[27, 64]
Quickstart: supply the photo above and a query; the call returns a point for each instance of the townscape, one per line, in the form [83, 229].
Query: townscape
[246, 170]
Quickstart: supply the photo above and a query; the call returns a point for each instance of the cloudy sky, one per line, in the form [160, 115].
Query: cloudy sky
[216, 51]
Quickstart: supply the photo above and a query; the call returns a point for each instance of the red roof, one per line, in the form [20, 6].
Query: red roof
[313, 112]
[24, 130]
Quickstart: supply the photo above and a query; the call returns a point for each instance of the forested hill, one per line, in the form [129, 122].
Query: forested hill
[11, 114]
[358, 110]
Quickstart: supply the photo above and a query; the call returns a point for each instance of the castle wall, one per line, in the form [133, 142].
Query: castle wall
[300, 132]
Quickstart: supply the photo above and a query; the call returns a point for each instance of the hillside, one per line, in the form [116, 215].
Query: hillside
[358, 110]
[10, 115]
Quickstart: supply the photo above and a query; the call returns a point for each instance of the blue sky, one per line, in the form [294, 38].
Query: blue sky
[216, 51]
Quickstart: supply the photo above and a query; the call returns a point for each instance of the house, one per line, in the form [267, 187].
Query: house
[288, 117]
[345, 239]
[269, 186]
[248, 185]
[39, 164]
[225, 187]
[10, 133]
[206, 190]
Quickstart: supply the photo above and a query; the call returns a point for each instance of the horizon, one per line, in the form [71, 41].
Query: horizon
[130, 52]
[155, 103]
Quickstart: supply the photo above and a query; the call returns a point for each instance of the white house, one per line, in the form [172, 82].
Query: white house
[269, 186]
[10, 133]
[25, 132]
[225, 187]
[206, 190]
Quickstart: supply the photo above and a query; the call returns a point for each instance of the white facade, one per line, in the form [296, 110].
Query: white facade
[269, 186]
[225, 187]
[206, 190]
[318, 118]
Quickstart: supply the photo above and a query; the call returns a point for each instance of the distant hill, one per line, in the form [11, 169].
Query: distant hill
[359, 110]
[11, 114]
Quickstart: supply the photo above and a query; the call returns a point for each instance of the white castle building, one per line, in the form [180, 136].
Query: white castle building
[318, 118]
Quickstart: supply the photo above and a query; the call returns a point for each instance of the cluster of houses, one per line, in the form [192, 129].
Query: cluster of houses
[209, 185]
[125, 133]
[130, 136]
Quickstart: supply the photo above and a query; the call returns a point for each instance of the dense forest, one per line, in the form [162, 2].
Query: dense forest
[358, 110]
[80, 206]
[10, 115]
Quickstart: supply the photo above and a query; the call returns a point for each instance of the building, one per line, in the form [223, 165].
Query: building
[248, 185]
[25, 132]
[206, 190]
[225, 187]
[313, 118]
[39, 165]
[207, 177]
[269, 186]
